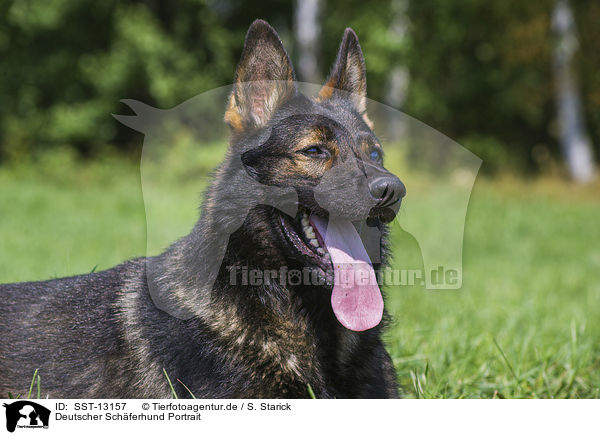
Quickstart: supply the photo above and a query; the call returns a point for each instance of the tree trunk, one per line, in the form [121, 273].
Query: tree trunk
[575, 143]
[398, 79]
[308, 31]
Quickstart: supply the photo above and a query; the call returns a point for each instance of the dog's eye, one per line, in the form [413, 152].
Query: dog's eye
[315, 151]
[375, 155]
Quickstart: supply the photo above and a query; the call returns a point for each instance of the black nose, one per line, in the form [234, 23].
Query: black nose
[388, 190]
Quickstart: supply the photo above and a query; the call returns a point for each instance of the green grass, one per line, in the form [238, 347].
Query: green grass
[526, 322]
[37, 381]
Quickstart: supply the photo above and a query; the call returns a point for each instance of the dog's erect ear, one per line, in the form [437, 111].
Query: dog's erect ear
[264, 79]
[348, 73]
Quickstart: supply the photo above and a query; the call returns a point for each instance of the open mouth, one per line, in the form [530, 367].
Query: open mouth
[335, 248]
[302, 233]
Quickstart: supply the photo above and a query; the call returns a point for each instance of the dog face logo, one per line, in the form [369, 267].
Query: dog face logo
[26, 414]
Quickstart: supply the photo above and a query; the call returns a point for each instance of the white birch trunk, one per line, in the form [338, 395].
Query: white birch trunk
[576, 146]
[308, 31]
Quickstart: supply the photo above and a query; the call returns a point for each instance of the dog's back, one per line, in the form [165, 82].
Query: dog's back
[67, 328]
[101, 335]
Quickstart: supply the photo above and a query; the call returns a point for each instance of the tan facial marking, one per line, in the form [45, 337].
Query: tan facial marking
[314, 137]
[366, 146]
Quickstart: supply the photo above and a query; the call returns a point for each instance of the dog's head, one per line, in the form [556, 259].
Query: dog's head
[323, 148]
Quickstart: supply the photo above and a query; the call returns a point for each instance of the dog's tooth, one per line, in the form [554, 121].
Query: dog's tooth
[321, 251]
[304, 221]
[310, 233]
[315, 243]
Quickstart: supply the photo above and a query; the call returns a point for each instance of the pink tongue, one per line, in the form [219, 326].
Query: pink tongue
[356, 299]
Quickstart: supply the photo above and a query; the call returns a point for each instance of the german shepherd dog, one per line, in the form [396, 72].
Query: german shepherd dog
[102, 335]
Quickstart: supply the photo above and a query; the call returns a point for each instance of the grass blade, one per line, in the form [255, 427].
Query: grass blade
[188, 390]
[32, 382]
[170, 385]
[311, 393]
[507, 362]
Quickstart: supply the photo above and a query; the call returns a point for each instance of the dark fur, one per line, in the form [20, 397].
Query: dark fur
[101, 334]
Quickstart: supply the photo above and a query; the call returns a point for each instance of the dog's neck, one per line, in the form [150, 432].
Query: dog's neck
[296, 328]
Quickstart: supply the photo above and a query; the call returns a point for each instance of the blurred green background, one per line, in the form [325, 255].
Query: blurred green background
[526, 322]
[478, 71]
